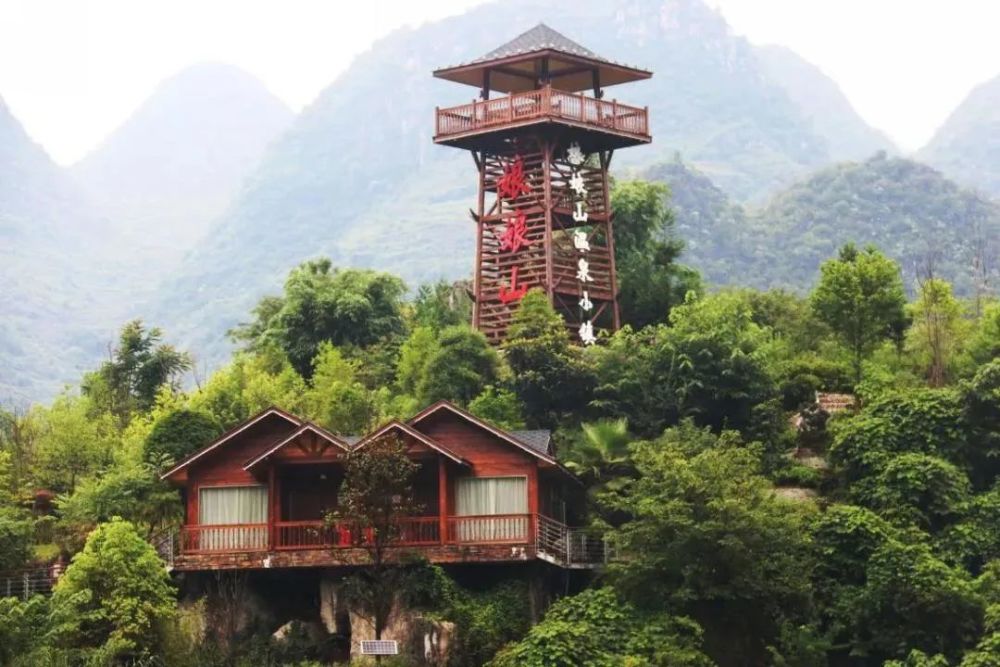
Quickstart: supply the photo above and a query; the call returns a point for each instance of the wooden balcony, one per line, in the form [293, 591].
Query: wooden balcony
[612, 124]
[491, 538]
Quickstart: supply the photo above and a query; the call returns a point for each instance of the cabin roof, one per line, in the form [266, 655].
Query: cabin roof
[506, 436]
[538, 439]
[307, 427]
[535, 442]
[413, 433]
[515, 66]
[230, 434]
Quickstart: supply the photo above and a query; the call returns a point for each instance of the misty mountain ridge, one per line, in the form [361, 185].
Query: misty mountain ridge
[967, 146]
[175, 164]
[84, 248]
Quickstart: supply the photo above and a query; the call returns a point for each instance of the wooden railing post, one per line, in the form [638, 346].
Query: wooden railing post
[442, 500]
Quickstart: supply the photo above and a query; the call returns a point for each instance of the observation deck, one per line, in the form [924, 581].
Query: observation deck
[610, 124]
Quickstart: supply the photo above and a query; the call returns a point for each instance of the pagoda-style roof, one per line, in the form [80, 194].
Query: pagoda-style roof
[541, 54]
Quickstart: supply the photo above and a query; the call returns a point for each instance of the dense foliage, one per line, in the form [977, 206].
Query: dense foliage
[750, 524]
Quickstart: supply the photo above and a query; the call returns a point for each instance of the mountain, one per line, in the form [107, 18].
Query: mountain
[57, 278]
[179, 159]
[358, 179]
[909, 210]
[967, 146]
[847, 136]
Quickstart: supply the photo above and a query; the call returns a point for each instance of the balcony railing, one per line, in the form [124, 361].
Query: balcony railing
[544, 103]
[552, 539]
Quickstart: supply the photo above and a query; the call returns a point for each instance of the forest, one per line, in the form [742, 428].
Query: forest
[752, 526]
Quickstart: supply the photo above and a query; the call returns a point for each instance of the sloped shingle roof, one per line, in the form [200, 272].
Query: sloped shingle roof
[537, 39]
[538, 439]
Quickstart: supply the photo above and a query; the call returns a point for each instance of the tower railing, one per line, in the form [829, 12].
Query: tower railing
[544, 103]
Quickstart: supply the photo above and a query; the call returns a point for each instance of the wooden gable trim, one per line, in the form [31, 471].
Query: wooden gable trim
[476, 421]
[416, 435]
[230, 434]
[307, 427]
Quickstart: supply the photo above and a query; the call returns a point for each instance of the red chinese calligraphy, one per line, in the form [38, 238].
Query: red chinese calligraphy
[514, 235]
[512, 183]
[514, 293]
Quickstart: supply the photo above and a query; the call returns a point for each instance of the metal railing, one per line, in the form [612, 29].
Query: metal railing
[545, 102]
[571, 546]
[25, 583]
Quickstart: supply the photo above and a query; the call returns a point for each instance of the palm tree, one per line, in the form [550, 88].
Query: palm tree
[601, 451]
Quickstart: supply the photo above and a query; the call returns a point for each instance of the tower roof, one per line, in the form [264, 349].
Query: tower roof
[539, 38]
[518, 65]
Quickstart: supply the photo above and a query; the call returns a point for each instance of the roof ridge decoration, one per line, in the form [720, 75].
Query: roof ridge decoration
[330, 437]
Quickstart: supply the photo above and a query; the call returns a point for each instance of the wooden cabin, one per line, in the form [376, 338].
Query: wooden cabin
[259, 495]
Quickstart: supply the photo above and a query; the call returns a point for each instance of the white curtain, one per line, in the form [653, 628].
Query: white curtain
[485, 497]
[233, 505]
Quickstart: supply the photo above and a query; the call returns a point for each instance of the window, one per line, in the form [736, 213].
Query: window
[244, 507]
[483, 497]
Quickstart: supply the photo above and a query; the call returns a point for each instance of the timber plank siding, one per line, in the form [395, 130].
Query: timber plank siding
[287, 456]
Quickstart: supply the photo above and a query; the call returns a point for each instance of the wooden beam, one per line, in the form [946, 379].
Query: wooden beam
[485, 92]
[443, 499]
[595, 75]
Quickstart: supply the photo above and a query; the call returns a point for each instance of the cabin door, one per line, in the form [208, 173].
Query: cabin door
[235, 516]
[496, 507]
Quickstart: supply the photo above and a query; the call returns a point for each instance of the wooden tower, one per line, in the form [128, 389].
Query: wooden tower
[542, 151]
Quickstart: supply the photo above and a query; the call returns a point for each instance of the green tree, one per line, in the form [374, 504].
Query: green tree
[920, 489]
[71, 443]
[442, 304]
[927, 421]
[377, 492]
[651, 281]
[937, 332]
[460, 366]
[709, 538]
[132, 491]
[178, 433]
[597, 629]
[912, 600]
[709, 365]
[115, 594]
[350, 307]
[601, 450]
[249, 384]
[139, 365]
[16, 533]
[500, 407]
[984, 342]
[335, 398]
[860, 297]
[551, 377]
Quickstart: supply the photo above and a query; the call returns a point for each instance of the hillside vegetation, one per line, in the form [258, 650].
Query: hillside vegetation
[867, 537]
[926, 222]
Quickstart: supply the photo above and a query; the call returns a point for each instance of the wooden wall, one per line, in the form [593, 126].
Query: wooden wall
[223, 466]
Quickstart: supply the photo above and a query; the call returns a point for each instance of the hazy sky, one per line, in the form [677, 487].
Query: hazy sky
[72, 70]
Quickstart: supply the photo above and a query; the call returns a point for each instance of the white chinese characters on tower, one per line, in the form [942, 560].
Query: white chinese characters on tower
[581, 240]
